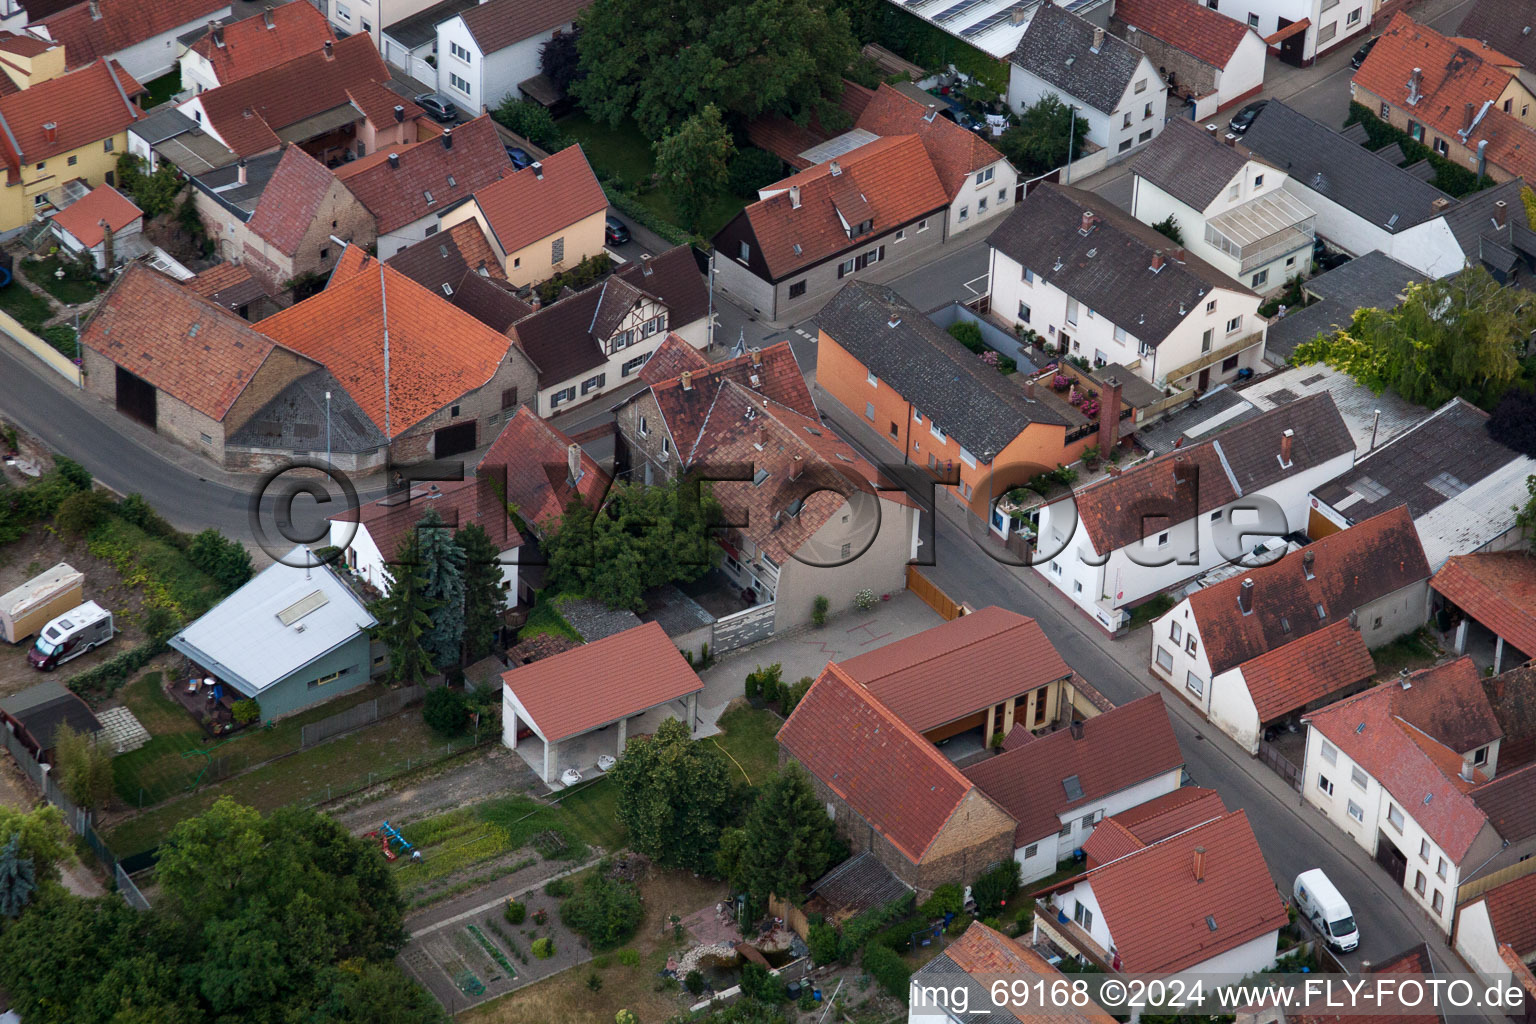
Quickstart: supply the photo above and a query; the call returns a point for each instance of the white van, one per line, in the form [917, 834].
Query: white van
[1319, 902]
[71, 635]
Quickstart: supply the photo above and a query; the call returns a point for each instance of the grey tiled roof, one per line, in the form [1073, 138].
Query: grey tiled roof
[1472, 217]
[1189, 163]
[1373, 281]
[295, 419]
[1197, 420]
[1508, 26]
[1058, 47]
[595, 620]
[1319, 158]
[965, 397]
[421, 28]
[674, 611]
[1109, 269]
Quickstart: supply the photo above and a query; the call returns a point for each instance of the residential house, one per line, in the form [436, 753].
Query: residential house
[1300, 31]
[410, 43]
[541, 220]
[441, 262]
[1464, 101]
[1503, 26]
[141, 38]
[169, 137]
[97, 225]
[179, 364]
[228, 52]
[1277, 639]
[935, 404]
[332, 101]
[1459, 484]
[813, 518]
[958, 982]
[1510, 694]
[277, 215]
[1150, 822]
[410, 189]
[430, 400]
[292, 637]
[1494, 592]
[1060, 786]
[1373, 280]
[593, 341]
[1497, 925]
[368, 17]
[1489, 237]
[37, 715]
[889, 791]
[1165, 521]
[1364, 202]
[1098, 284]
[862, 213]
[231, 285]
[1409, 770]
[1231, 209]
[59, 128]
[1111, 83]
[485, 51]
[1210, 60]
[1198, 903]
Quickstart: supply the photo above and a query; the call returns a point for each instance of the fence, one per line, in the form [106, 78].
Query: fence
[1270, 755]
[360, 715]
[1477, 886]
[743, 628]
[55, 359]
[929, 593]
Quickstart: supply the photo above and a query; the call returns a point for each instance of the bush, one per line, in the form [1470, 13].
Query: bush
[693, 981]
[607, 911]
[1450, 177]
[967, 334]
[559, 888]
[588, 271]
[446, 710]
[757, 982]
[134, 509]
[790, 696]
[946, 899]
[544, 948]
[225, 560]
[515, 912]
[105, 678]
[751, 169]
[860, 929]
[993, 890]
[63, 338]
[82, 512]
[160, 621]
[822, 940]
[888, 970]
[531, 121]
[819, 610]
[629, 957]
[865, 599]
[764, 682]
[246, 711]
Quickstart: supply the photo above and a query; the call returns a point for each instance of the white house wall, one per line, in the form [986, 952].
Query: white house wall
[1082, 893]
[1244, 71]
[197, 72]
[1055, 847]
[996, 192]
[1107, 130]
[157, 55]
[1026, 88]
[1332, 22]
[1429, 248]
[1237, 963]
[363, 555]
[612, 370]
[1476, 942]
[491, 77]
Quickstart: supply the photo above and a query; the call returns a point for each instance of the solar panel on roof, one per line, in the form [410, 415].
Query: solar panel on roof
[950, 13]
[302, 607]
[993, 20]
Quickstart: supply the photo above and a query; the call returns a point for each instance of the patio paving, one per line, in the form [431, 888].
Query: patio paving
[711, 926]
[122, 730]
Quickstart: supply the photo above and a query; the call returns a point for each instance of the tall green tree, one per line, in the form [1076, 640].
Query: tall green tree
[675, 795]
[694, 162]
[18, 878]
[442, 561]
[1046, 132]
[484, 600]
[560, 59]
[1458, 336]
[404, 613]
[42, 838]
[83, 768]
[662, 61]
[789, 838]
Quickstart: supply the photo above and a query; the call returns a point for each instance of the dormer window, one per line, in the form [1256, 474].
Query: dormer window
[864, 228]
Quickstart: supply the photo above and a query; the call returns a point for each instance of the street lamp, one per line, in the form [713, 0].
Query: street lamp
[328, 428]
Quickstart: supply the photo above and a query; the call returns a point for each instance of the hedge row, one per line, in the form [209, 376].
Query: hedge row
[642, 215]
[103, 680]
[1450, 177]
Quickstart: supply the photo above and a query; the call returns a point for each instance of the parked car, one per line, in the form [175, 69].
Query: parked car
[615, 231]
[519, 157]
[1243, 118]
[439, 106]
[1324, 258]
[1362, 53]
[78, 630]
[1318, 900]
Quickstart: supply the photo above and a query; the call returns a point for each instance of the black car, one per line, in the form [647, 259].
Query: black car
[1324, 258]
[615, 231]
[439, 106]
[519, 157]
[1362, 53]
[1244, 118]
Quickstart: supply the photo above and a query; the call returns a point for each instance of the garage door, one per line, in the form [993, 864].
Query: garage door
[455, 439]
[136, 398]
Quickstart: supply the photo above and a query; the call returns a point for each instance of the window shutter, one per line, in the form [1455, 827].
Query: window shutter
[881, 253]
[840, 270]
[508, 397]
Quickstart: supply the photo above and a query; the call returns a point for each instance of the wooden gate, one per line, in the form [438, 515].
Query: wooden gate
[930, 594]
[1270, 755]
[454, 440]
[136, 398]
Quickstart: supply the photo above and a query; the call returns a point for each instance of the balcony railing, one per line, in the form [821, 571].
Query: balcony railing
[1212, 357]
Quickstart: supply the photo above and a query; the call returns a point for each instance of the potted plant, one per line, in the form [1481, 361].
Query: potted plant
[1060, 382]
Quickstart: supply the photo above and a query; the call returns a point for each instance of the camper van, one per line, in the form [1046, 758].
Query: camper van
[1319, 902]
[71, 634]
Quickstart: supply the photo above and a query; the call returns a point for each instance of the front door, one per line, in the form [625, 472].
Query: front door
[1391, 858]
[1205, 380]
[136, 398]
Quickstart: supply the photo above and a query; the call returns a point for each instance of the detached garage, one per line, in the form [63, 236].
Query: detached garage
[581, 705]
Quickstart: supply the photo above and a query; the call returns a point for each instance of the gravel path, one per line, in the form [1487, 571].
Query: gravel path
[496, 771]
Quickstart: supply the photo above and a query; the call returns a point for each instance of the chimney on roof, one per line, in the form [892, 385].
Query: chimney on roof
[447, 138]
[1415, 83]
[1245, 595]
[1354, 620]
[1181, 473]
[1018, 15]
[95, 11]
[240, 174]
[1306, 564]
[1109, 416]
[835, 168]
[394, 161]
[1468, 113]
[1076, 728]
[762, 437]
[1500, 213]
[1088, 222]
[330, 50]
[538, 169]
[51, 131]
[573, 464]
[757, 357]
[534, 302]
[1402, 678]
[1029, 389]
[1231, 140]
[216, 30]
[794, 197]
[687, 380]
[1439, 205]
[1098, 39]
[1213, 130]
[1286, 440]
[796, 466]
[266, 17]
[645, 264]
[1199, 864]
[1157, 261]
[1467, 770]
[399, 113]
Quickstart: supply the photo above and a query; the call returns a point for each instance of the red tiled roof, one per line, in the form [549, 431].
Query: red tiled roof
[24, 44]
[226, 284]
[257, 43]
[653, 673]
[1520, 972]
[460, 503]
[890, 181]
[497, 24]
[287, 207]
[1202, 33]
[1158, 912]
[1109, 841]
[894, 779]
[83, 218]
[786, 140]
[86, 106]
[951, 670]
[1307, 669]
[378, 103]
[987, 955]
[1152, 822]
[177, 340]
[1350, 568]
[522, 207]
[1498, 589]
[1118, 749]
[778, 379]
[1448, 701]
[955, 151]
[394, 182]
[247, 114]
[107, 27]
[1456, 72]
[1419, 772]
[437, 353]
[1512, 910]
[671, 358]
[532, 453]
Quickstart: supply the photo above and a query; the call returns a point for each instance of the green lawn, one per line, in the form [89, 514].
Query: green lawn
[162, 89]
[544, 618]
[1415, 651]
[69, 290]
[748, 738]
[592, 811]
[27, 307]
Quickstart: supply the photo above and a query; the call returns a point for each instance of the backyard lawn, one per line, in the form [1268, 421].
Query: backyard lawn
[163, 88]
[749, 739]
[592, 812]
[27, 307]
[1415, 651]
[69, 290]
